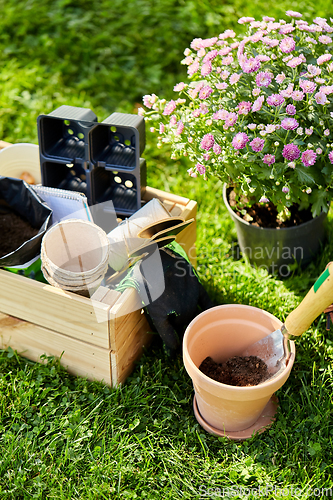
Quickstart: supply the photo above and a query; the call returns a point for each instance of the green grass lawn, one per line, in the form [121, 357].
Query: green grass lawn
[62, 437]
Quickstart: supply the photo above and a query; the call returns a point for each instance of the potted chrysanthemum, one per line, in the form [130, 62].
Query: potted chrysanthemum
[257, 113]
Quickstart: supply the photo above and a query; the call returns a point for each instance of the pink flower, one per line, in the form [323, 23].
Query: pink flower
[263, 58]
[309, 131]
[257, 144]
[225, 51]
[330, 157]
[292, 13]
[149, 100]
[287, 45]
[285, 189]
[269, 129]
[234, 78]
[288, 91]
[263, 199]
[297, 95]
[324, 58]
[193, 68]
[191, 172]
[326, 132]
[257, 105]
[180, 127]
[269, 160]
[244, 107]
[256, 92]
[244, 20]
[289, 124]
[321, 98]
[173, 120]
[311, 40]
[221, 86]
[210, 56]
[325, 39]
[275, 100]
[280, 78]
[206, 156]
[206, 68]
[291, 152]
[201, 169]
[221, 114]
[217, 149]
[162, 128]
[203, 108]
[196, 43]
[286, 28]
[224, 74]
[308, 158]
[227, 34]
[240, 140]
[179, 87]
[307, 86]
[226, 61]
[250, 65]
[196, 113]
[231, 119]
[290, 109]
[205, 92]
[252, 126]
[294, 62]
[267, 19]
[207, 142]
[263, 79]
[313, 70]
[169, 107]
[271, 42]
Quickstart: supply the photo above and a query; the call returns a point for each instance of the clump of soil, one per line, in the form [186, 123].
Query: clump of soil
[239, 370]
[265, 214]
[14, 230]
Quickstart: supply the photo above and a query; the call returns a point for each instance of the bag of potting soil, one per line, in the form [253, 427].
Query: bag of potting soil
[24, 218]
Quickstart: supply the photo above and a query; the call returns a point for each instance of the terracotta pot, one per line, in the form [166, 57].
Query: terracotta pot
[276, 249]
[222, 332]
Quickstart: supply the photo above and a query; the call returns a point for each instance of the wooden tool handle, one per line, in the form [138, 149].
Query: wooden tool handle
[318, 298]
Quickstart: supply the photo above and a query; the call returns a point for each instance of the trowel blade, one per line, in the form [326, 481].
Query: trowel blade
[269, 349]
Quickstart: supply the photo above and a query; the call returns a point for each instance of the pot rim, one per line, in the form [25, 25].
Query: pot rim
[239, 389]
[233, 214]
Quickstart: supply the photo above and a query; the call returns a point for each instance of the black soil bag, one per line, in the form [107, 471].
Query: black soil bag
[17, 196]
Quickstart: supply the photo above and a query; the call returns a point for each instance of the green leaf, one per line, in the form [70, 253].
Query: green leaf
[304, 176]
[319, 202]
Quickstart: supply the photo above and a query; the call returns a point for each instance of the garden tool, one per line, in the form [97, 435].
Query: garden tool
[274, 348]
[171, 226]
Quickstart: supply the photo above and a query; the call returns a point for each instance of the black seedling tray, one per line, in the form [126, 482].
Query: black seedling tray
[102, 160]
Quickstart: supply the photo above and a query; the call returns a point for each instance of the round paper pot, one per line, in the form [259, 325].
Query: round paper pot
[222, 332]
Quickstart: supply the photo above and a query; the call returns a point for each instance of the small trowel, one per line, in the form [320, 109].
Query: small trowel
[274, 348]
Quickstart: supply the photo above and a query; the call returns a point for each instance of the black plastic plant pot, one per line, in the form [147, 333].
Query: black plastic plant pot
[18, 197]
[61, 175]
[125, 189]
[118, 142]
[64, 133]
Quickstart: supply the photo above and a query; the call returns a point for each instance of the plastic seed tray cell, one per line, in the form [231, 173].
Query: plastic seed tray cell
[118, 141]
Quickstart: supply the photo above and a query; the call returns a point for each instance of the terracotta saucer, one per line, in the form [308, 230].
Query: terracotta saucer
[264, 422]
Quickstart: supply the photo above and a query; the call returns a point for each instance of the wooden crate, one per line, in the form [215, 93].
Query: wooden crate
[100, 339]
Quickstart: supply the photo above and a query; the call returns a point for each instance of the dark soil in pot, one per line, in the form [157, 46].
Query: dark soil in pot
[265, 214]
[14, 231]
[238, 371]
